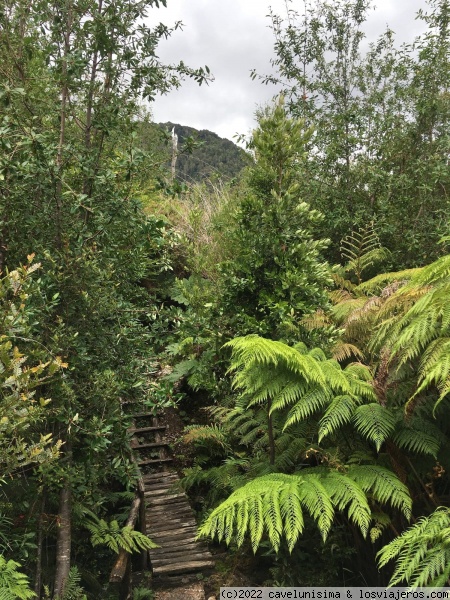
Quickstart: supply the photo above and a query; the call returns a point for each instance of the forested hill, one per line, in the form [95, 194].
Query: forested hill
[211, 154]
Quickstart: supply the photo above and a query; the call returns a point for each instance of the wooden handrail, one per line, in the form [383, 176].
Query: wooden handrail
[120, 566]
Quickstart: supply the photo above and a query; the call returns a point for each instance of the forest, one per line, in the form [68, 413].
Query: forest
[292, 314]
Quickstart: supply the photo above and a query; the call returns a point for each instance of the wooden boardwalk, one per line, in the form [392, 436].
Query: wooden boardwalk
[170, 520]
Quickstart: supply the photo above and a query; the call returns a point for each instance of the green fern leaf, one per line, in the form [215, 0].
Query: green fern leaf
[337, 414]
[346, 494]
[374, 422]
[383, 485]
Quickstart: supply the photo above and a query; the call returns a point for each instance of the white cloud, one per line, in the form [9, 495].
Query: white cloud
[232, 37]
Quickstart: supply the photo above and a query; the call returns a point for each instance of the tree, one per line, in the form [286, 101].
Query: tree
[271, 372]
[73, 75]
[277, 273]
[379, 148]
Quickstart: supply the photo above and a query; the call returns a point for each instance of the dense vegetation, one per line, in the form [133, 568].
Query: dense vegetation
[305, 303]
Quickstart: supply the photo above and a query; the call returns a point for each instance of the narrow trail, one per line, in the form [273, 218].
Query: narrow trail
[181, 560]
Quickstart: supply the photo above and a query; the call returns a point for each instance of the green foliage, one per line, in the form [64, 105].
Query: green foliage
[380, 115]
[74, 75]
[362, 250]
[277, 274]
[72, 590]
[142, 594]
[271, 370]
[22, 409]
[421, 552]
[115, 537]
[423, 329]
[13, 583]
[274, 504]
[273, 374]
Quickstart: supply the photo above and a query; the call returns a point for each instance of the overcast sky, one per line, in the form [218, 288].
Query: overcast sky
[233, 37]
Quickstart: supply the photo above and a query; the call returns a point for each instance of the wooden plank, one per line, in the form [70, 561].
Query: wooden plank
[184, 567]
[171, 534]
[166, 513]
[160, 484]
[153, 461]
[166, 539]
[149, 445]
[162, 488]
[134, 430]
[175, 560]
[142, 414]
[176, 545]
[165, 499]
[176, 525]
[162, 520]
[152, 476]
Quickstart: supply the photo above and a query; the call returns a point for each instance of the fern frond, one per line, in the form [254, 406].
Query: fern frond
[115, 537]
[271, 504]
[374, 422]
[252, 351]
[383, 485]
[72, 589]
[317, 320]
[422, 552]
[308, 404]
[337, 414]
[378, 282]
[13, 584]
[344, 493]
[434, 273]
[343, 351]
[209, 433]
[318, 503]
[419, 435]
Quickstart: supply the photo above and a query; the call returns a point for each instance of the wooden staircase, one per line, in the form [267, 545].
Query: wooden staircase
[170, 521]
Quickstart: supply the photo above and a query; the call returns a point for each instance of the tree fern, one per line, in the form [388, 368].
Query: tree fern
[422, 552]
[13, 583]
[274, 504]
[346, 494]
[210, 434]
[423, 330]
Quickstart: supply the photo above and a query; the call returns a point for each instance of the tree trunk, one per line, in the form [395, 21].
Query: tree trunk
[63, 541]
[40, 542]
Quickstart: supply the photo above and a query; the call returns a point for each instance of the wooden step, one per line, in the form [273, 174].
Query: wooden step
[162, 487]
[176, 558]
[188, 544]
[141, 415]
[160, 490]
[134, 430]
[165, 539]
[150, 445]
[165, 517]
[165, 476]
[184, 532]
[164, 498]
[184, 567]
[172, 526]
[154, 461]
